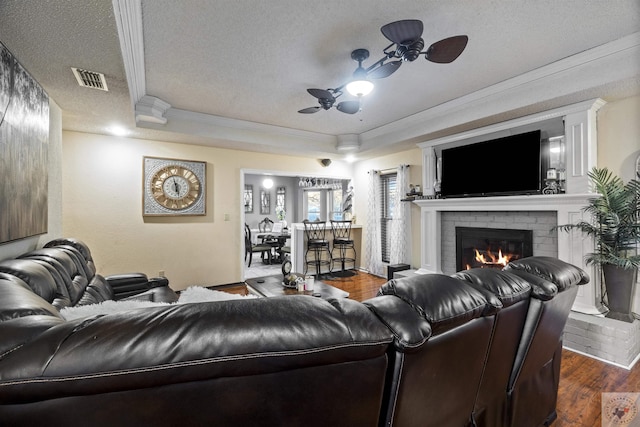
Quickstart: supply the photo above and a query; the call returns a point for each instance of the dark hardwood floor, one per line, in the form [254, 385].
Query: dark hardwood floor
[582, 379]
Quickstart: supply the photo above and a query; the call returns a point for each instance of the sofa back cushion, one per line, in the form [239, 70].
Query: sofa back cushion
[18, 300]
[445, 302]
[81, 249]
[542, 271]
[74, 280]
[39, 279]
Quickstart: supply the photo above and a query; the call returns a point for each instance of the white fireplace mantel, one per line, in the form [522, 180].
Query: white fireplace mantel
[581, 150]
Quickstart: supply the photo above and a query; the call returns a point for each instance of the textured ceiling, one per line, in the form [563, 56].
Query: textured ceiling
[254, 60]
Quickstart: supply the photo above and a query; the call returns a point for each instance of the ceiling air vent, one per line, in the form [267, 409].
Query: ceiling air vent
[90, 79]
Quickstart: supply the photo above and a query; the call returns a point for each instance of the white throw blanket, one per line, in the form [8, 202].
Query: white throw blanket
[193, 294]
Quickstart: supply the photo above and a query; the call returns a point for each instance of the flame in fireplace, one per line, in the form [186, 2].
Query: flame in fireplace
[491, 259]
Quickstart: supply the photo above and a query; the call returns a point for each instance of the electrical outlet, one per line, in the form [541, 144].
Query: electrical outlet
[227, 217]
[161, 273]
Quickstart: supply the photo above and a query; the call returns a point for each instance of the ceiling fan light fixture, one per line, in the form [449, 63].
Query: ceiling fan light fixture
[360, 85]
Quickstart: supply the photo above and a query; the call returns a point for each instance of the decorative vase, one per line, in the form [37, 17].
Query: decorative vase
[620, 285]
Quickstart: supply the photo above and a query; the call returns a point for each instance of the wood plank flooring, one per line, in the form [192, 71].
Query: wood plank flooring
[582, 379]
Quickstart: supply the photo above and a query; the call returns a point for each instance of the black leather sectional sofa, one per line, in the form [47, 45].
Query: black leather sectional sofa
[481, 347]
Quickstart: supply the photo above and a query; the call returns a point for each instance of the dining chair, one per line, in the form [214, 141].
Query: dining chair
[265, 225]
[250, 248]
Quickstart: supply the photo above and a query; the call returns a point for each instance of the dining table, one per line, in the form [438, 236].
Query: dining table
[277, 240]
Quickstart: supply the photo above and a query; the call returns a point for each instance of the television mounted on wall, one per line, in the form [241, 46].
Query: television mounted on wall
[505, 166]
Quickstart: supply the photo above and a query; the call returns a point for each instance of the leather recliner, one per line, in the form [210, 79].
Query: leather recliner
[513, 295]
[525, 309]
[533, 385]
[125, 285]
[443, 329]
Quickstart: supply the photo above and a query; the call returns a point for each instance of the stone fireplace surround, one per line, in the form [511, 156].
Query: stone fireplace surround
[587, 330]
[540, 223]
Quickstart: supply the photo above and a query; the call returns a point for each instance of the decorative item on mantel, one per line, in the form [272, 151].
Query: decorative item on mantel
[555, 181]
[616, 231]
[415, 191]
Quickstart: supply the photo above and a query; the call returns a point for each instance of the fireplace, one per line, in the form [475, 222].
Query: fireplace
[480, 247]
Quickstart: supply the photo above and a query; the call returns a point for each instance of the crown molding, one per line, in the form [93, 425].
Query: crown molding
[589, 105]
[128, 14]
[151, 109]
[252, 134]
[608, 63]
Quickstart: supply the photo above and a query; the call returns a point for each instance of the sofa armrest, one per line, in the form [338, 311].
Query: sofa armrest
[157, 282]
[128, 284]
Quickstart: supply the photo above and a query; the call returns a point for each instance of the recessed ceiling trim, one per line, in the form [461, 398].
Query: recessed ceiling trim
[128, 14]
[607, 63]
[90, 79]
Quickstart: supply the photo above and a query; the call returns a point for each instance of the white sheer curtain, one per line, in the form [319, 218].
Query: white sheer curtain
[373, 251]
[400, 230]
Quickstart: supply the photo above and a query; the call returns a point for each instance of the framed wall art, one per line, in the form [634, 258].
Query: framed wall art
[265, 202]
[24, 160]
[248, 198]
[173, 187]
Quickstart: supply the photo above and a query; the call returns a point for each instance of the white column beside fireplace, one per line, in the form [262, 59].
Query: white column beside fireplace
[581, 154]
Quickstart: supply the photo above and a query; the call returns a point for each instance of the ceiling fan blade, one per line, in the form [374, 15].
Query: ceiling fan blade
[447, 50]
[310, 110]
[349, 107]
[321, 93]
[385, 70]
[403, 32]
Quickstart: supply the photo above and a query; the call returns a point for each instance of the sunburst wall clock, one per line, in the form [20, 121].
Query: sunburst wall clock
[173, 187]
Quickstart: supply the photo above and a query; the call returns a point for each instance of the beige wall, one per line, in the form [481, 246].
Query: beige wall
[102, 184]
[619, 136]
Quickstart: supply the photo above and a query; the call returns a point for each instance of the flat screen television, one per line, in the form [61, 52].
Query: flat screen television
[503, 166]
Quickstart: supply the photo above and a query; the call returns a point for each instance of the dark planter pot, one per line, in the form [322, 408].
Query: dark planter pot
[620, 284]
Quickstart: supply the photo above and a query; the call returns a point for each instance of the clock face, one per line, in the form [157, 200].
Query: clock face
[175, 187]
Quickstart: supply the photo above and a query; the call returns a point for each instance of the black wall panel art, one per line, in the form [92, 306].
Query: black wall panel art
[24, 140]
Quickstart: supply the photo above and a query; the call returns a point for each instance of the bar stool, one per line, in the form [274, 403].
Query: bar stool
[344, 244]
[317, 253]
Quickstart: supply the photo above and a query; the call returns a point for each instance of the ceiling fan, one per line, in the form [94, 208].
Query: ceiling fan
[406, 45]
[326, 99]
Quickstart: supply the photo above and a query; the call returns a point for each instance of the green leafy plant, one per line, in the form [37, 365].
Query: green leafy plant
[615, 225]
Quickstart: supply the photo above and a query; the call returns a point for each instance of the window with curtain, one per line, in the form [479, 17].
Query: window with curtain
[387, 211]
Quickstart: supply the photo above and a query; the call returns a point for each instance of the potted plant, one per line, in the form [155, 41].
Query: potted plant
[615, 228]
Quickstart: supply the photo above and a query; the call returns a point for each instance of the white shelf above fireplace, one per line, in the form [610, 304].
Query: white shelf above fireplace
[537, 202]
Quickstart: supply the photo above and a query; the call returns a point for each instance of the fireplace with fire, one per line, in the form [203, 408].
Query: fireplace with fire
[491, 247]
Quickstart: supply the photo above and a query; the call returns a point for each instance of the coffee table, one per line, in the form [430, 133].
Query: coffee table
[271, 286]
